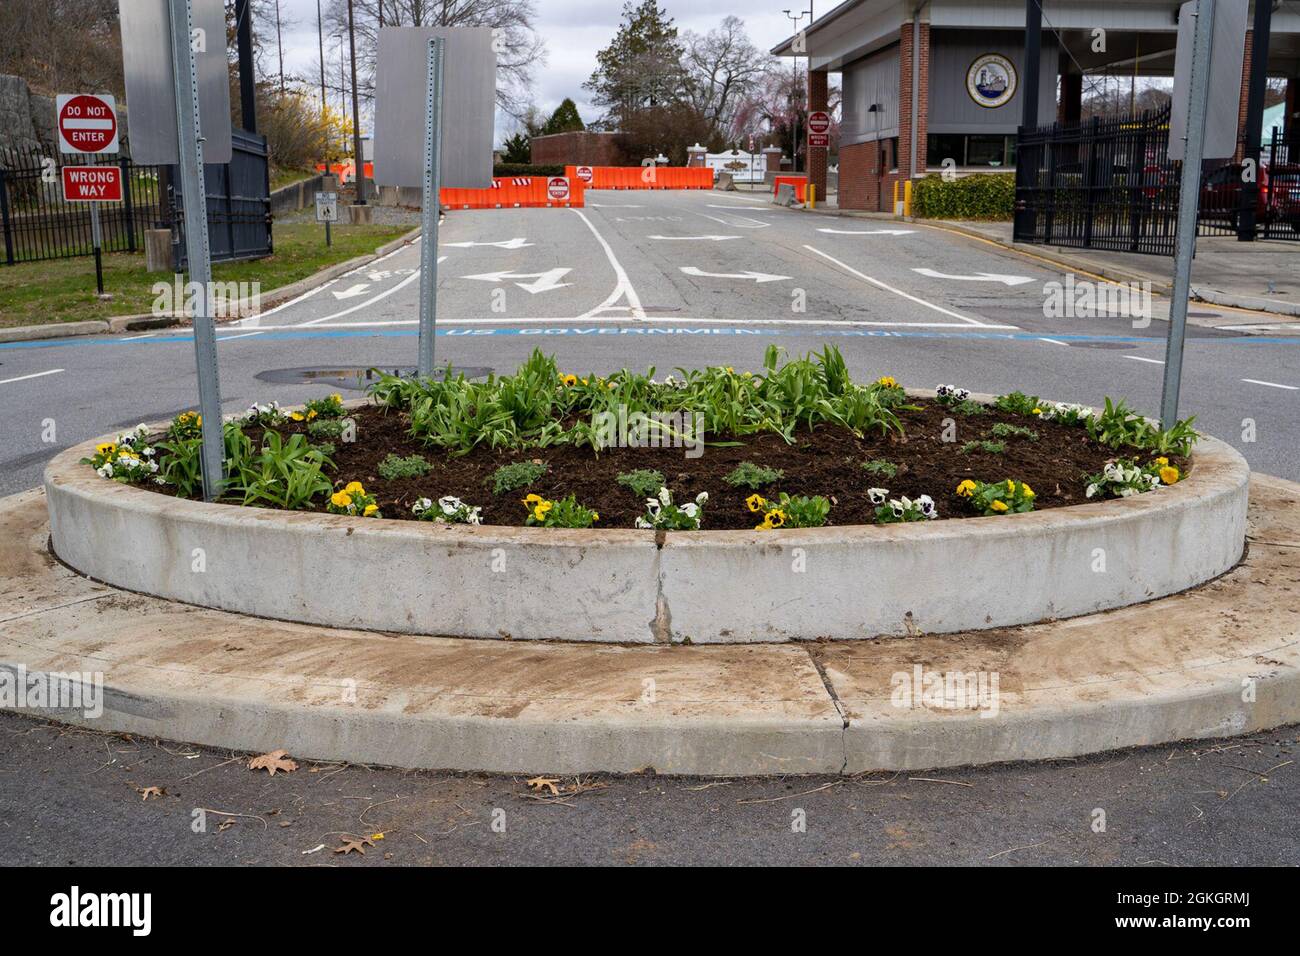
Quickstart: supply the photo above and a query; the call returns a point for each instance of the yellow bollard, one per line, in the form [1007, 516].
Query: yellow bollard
[907, 198]
[812, 196]
[895, 207]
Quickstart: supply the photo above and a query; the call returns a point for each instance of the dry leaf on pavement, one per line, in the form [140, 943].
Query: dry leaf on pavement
[545, 783]
[147, 792]
[275, 760]
[354, 846]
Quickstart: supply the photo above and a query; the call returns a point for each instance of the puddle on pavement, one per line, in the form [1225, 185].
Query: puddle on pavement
[356, 379]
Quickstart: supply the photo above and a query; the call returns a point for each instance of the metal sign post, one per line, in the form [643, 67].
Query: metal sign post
[432, 204]
[1188, 202]
[194, 201]
[97, 243]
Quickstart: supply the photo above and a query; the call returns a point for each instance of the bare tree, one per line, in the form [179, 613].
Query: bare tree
[519, 48]
[37, 44]
[722, 68]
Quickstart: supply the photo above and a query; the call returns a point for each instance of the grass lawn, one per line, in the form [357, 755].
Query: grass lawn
[63, 290]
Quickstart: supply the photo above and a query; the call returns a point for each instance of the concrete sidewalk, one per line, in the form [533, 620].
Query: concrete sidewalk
[1167, 670]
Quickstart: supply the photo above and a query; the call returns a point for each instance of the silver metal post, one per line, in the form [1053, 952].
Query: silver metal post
[1189, 195]
[432, 202]
[190, 163]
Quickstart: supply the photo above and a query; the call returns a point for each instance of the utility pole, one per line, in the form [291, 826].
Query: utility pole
[794, 96]
[247, 82]
[356, 113]
[320, 39]
[279, 42]
[1026, 219]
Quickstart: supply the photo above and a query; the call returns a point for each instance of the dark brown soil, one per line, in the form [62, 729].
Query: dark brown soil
[826, 461]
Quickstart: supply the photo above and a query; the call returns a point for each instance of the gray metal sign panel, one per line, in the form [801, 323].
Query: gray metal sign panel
[469, 106]
[151, 87]
[1226, 57]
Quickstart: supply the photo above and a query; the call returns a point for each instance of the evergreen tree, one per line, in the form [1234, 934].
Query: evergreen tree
[641, 68]
[565, 119]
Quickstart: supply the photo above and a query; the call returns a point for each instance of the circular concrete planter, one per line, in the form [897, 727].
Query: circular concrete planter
[626, 586]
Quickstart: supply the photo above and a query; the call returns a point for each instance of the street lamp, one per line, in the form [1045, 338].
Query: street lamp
[356, 113]
[795, 21]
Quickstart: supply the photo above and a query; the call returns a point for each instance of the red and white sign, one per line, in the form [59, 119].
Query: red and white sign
[819, 124]
[584, 173]
[557, 189]
[92, 183]
[87, 123]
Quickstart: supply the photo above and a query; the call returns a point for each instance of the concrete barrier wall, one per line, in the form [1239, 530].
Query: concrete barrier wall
[618, 585]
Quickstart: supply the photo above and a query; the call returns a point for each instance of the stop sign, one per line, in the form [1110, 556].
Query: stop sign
[557, 189]
[819, 121]
[87, 123]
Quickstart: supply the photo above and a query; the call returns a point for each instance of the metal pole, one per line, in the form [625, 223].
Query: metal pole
[247, 81]
[356, 115]
[196, 242]
[320, 40]
[432, 203]
[1025, 217]
[1259, 45]
[1188, 200]
[97, 240]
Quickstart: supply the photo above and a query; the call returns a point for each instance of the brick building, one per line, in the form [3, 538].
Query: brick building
[924, 81]
[580, 148]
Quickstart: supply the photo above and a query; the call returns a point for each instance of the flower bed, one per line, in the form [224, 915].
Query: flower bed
[799, 445]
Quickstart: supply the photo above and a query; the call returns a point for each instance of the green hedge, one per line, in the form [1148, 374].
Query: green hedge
[981, 196]
[527, 169]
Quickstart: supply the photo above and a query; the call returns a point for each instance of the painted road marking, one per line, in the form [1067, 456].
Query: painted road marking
[868, 232]
[911, 298]
[1289, 388]
[545, 281]
[757, 323]
[371, 301]
[699, 238]
[23, 378]
[759, 277]
[622, 284]
[517, 243]
[736, 222]
[242, 335]
[1053, 341]
[977, 277]
[1139, 358]
[351, 292]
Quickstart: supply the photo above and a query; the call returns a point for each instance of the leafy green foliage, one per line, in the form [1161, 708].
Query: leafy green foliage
[1118, 425]
[329, 407]
[331, 429]
[749, 475]
[643, 482]
[790, 511]
[561, 513]
[1018, 403]
[519, 474]
[996, 498]
[282, 474]
[181, 465]
[981, 196]
[880, 467]
[985, 446]
[1007, 430]
[395, 467]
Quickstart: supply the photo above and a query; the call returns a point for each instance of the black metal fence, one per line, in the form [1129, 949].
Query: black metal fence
[1107, 183]
[38, 224]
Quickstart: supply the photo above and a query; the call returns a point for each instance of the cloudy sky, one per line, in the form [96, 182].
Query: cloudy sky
[574, 30]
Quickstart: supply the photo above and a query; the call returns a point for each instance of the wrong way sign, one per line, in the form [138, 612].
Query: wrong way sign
[87, 123]
[92, 184]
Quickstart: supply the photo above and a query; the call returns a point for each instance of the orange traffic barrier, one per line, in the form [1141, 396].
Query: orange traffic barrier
[642, 177]
[798, 182]
[516, 192]
[346, 172]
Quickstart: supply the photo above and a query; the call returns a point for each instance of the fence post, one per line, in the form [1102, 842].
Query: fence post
[1137, 160]
[1089, 181]
[127, 205]
[4, 215]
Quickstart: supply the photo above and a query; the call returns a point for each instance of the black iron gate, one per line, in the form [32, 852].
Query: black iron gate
[1107, 183]
[239, 203]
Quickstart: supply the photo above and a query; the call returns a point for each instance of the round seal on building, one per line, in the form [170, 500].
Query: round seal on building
[991, 80]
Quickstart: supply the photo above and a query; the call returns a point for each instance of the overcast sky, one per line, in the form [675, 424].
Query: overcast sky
[574, 30]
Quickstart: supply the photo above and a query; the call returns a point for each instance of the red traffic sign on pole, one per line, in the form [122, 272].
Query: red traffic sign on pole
[92, 184]
[557, 189]
[585, 173]
[819, 124]
[87, 123]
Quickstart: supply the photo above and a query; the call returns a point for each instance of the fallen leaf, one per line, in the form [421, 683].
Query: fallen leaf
[147, 792]
[351, 846]
[545, 783]
[275, 760]
[225, 825]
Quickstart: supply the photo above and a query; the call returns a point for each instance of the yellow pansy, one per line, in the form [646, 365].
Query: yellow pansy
[1011, 485]
[569, 379]
[999, 506]
[337, 397]
[296, 416]
[1169, 474]
[533, 499]
[775, 518]
[354, 488]
[887, 381]
[1162, 460]
[539, 512]
[1029, 492]
[341, 499]
[754, 502]
[370, 509]
[107, 449]
[1037, 411]
[765, 526]
[595, 516]
[966, 488]
[311, 414]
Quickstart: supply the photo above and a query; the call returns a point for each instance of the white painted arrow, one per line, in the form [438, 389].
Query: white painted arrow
[756, 276]
[546, 281]
[353, 291]
[869, 232]
[703, 238]
[517, 243]
[978, 277]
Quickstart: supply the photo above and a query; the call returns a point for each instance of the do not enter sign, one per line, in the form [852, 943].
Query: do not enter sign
[584, 173]
[819, 124]
[87, 123]
[557, 189]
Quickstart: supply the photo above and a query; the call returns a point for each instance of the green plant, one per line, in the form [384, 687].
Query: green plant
[181, 465]
[449, 510]
[326, 448]
[127, 459]
[1124, 478]
[185, 425]
[663, 515]
[1118, 425]
[749, 475]
[979, 196]
[789, 511]
[895, 510]
[353, 500]
[999, 497]
[395, 467]
[268, 414]
[282, 474]
[332, 429]
[561, 513]
[988, 447]
[329, 407]
[519, 474]
[881, 467]
[1006, 430]
[643, 482]
[1017, 403]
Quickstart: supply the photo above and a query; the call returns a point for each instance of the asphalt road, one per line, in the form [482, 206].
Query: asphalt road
[74, 797]
[672, 279]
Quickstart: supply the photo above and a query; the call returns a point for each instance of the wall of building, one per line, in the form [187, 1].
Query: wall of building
[871, 80]
[952, 110]
[579, 149]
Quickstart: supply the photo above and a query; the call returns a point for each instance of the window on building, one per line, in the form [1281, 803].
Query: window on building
[992, 151]
[891, 155]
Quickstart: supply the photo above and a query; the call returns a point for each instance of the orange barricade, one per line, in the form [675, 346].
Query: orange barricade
[513, 192]
[798, 182]
[644, 177]
[346, 172]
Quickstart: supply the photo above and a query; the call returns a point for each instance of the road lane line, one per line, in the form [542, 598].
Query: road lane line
[368, 302]
[651, 320]
[622, 285]
[889, 288]
[23, 378]
[1289, 388]
[1053, 341]
[243, 335]
[1139, 358]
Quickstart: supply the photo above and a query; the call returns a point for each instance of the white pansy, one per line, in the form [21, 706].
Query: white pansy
[878, 495]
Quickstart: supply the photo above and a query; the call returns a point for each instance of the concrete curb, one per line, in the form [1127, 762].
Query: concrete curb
[623, 585]
[1220, 659]
[137, 323]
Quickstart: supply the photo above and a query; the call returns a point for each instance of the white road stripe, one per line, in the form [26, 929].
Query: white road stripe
[1289, 388]
[889, 288]
[1139, 358]
[622, 285]
[241, 336]
[659, 320]
[23, 378]
[1053, 341]
[368, 302]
